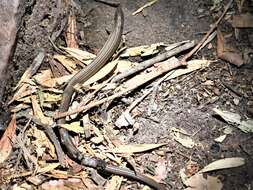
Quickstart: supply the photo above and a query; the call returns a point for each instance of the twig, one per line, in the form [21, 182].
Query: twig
[187, 56]
[209, 39]
[155, 90]
[150, 62]
[144, 6]
[138, 100]
[50, 133]
[22, 136]
[170, 65]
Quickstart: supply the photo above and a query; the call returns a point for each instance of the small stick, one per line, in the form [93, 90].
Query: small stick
[187, 56]
[145, 64]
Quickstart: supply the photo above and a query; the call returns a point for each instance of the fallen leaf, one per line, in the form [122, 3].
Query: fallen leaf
[51, 98]
[246, 126]
[125, 120]
[114, 183]
[48, 168]
[74, 126]
[192, 65]
[228, 53]
[80, 55]
[44, 78]
[39, 114]
[228, 130]
[24, 91]
[68, 63]
[102, 72]
[144, 50]
[136, 148]
[124, 65]
[7, 140]
[223, 164]
[220, 138]
[159, 69]
[198, 182]
[63, 79]
[59, 174]
[41, 142]
[244, 20]
[183, 138]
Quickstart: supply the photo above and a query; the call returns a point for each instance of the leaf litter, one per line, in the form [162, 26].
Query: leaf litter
[27, 94]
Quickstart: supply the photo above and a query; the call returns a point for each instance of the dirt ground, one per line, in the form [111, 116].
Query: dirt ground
[188, 103]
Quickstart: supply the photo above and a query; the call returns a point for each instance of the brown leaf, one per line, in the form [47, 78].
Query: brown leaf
[226, 52]
[198, 182]
[23, 91]
[242, 21]
[38, 112]
[7, 140]
[68, 63]
[57, 68]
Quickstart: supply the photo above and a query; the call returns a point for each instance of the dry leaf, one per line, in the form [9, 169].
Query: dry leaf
[242, 21]
[7, 140]
[68, 63]
[192, 65]
[74, 126]
[44, 78]
[63, 79]
[198, 182]
[144, 50]
[246, 126]
[39, 114]
[124, 65]
[24, 91]
[125, 120]
[48, 168]
[59, 174]
[226, 52]
[182, 137]
[68, 184]
[114, 183]
[80, 55]
[102, 72]
[220, 138]
[136, 148]
[224, 164]
[52, 98]
[41, 142]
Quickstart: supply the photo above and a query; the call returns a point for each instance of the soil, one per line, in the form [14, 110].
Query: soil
[188, 102]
